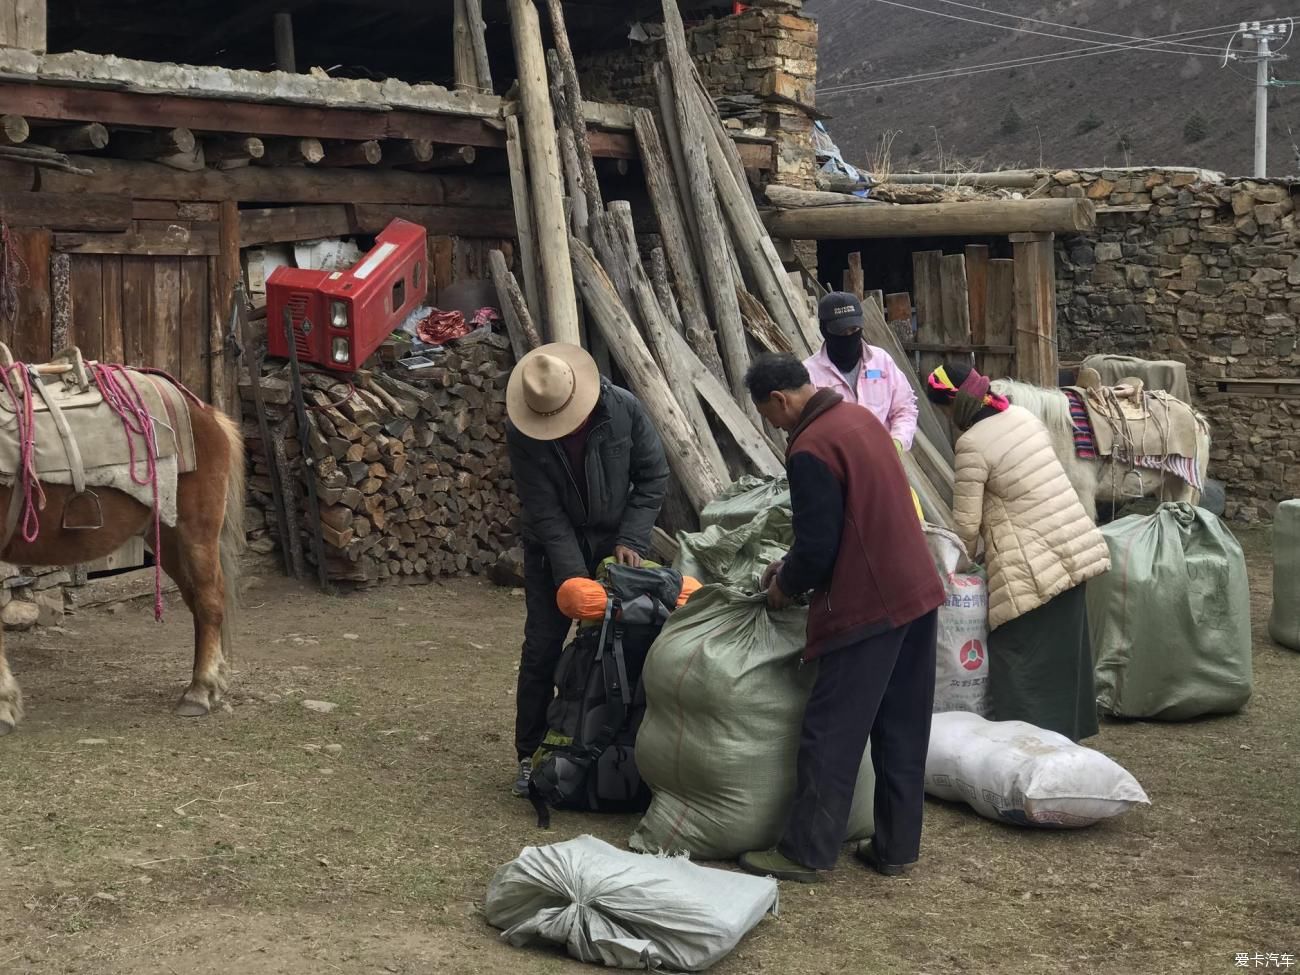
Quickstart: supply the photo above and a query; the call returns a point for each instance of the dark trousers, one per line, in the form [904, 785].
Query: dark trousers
[545, 630]
[882, 687]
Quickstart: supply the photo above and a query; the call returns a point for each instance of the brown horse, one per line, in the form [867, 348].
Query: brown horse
[200, 552]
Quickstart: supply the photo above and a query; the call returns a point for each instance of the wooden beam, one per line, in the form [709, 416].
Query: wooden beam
[173, 241]
[153, 144]
[22, 25]
[274, 225]
[285, 57]
[977, 274]
[14, 129]
[999, 318]
[462, 62]
[718, 279]
[445, 122]
[150, 181]
[449, 157]
[969, 219]
[685, 458]
[225, 274]
[557, 289]
[523, 217]
[437, 220]
[407, 152]
[218, 149]
[854, 278]
[514, 309]
[292, 152]
[66, 211]
[1035, 308]
[792, 197]
[366, 153]
[478, 44]
[955, 303]
[74, 138]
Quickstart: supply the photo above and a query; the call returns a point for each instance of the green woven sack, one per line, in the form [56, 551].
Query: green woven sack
[1170, 621]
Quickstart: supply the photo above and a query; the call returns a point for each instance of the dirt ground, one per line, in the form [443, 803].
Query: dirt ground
[135, 842]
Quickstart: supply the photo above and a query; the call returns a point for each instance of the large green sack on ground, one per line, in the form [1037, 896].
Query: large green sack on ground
[1284, 626]
[725, 696]
[736, 556]
[1171, 620]
[745, 500]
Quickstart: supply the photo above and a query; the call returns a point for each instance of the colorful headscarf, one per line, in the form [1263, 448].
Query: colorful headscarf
[974, 394]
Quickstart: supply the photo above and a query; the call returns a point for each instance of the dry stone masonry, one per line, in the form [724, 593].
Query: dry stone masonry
[760, 66]
[1185, 265]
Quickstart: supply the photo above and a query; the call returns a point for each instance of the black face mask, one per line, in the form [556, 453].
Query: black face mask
[844, 350]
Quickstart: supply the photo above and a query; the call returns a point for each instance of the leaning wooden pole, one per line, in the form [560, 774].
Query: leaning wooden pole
[685, 457]
[559, 300]
[519, 323]
[523, 215]
[713, 236]
[675, 235]
[478, 44]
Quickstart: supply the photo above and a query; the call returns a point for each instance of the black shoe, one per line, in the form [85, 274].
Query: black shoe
[866, 852]
[520, 788]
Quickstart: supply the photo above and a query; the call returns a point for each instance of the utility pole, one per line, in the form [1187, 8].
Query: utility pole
[1263, 35]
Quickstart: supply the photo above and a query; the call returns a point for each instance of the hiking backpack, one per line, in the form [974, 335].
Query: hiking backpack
[587, 760]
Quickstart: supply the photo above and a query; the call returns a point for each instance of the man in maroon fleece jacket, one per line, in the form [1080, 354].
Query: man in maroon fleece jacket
[873, 595]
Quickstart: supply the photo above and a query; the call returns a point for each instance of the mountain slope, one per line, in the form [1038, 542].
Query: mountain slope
[1118, 108]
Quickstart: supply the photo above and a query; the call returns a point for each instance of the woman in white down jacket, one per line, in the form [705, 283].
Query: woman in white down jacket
[1040, 547]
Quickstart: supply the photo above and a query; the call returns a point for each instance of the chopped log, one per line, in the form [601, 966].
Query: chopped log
[233, 148]
[449, 157]
[974, 218]
[675, 234]
[366, 153]
[154, 144]
[407, 152]
[74, 138]
[519, 323]
[14, 130]
[557, 290]
[718, 279]
[292, 152]
[647, 380]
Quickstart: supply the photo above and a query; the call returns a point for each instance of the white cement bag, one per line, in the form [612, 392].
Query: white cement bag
[625, 910]
[1015, 773]
[961, 678]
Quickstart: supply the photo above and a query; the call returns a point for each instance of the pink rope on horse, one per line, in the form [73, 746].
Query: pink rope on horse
[16, 383]
[124, 398]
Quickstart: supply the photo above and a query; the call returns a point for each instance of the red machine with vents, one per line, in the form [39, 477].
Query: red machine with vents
[339, 318]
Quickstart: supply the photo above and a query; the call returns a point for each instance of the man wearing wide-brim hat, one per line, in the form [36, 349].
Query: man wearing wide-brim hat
[591, 473]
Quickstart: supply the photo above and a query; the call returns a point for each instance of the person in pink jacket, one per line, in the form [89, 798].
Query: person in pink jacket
[862, 373]
[859, 372]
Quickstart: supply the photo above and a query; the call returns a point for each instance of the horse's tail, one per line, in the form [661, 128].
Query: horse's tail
[232, 527]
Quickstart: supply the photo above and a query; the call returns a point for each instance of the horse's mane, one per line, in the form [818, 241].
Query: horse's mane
[1049, 405]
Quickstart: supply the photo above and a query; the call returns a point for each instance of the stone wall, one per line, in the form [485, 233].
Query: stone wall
[1207, 272]
[760, 66]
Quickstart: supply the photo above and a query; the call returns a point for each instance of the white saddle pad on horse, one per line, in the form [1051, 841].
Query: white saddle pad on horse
[111, 455]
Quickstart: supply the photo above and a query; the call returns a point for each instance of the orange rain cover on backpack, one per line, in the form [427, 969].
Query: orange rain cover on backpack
[584, 599]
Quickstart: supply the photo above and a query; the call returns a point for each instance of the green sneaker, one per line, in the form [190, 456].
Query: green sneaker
[772, 863]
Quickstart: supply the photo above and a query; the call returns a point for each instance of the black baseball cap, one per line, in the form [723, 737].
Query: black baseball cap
[840, 313]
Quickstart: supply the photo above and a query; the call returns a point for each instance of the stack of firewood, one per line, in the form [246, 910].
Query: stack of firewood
[410, 467]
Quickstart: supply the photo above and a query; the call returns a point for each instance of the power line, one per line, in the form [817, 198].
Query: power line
[1023, 30]
[1082, 30]
[958, 72]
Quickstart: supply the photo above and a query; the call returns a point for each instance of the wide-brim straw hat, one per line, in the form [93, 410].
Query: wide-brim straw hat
[552, 391]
